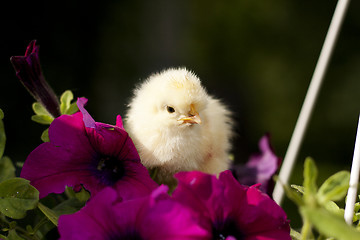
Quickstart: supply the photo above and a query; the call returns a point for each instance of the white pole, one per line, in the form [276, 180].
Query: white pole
[310, 99]
[354, 179]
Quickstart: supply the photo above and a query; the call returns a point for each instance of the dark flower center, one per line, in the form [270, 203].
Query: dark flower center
[110, 169]
[223, 229]
[129, 235]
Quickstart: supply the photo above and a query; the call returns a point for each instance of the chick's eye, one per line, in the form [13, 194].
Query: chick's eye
[170, 109]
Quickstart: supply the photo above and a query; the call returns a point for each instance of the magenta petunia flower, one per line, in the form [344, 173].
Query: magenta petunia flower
[84, 152]
[28, 70]
[155, 216]
[260, 168]
[229, 210]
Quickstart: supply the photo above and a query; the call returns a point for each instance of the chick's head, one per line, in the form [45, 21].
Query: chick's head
[172, 100]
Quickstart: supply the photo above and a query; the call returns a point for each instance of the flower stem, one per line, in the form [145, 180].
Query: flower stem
[306, 230]
[40, 224]
[50, 214]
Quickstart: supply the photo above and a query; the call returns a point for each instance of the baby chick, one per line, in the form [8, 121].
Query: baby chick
[176, 126]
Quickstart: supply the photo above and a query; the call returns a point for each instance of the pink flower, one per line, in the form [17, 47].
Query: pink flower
[260, 168]
[84, 152]
[229, 210]
[152, 217]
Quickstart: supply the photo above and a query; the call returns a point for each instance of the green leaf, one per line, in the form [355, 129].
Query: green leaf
[19, 164]
[322, 237]
[65, 101]
[41, 116]
[356, 217]
[69, 206]
[72, 109]
[42, 119]
[16, 197]
[333, 208]
[153, 172]
[295, 235]
[2, 134]
[329, 224]
[13, 235]
[357, 207]
[292, 194]
[50, 214]
[298, 188]
[39, 109]
[83, 195]
[29, 229]
[45, 135]
[7, 169]
[334, 188]
[310, 176]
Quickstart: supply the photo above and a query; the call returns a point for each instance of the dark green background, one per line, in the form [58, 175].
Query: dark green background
[258, 56]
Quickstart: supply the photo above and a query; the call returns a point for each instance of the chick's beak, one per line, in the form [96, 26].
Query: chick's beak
[193, 117]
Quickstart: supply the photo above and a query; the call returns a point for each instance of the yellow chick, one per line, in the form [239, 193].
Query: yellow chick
[176, 126]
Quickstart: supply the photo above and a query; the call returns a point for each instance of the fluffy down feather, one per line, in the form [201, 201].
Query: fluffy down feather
[176, 126]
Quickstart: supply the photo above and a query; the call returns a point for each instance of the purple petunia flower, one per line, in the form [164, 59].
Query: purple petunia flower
[229, 210]
[84, 152]
[28, 70]
[260, 168]
[156, 216]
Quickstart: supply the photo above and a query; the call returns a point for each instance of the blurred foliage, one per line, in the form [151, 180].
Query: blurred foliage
[258, 56]
[318, 206]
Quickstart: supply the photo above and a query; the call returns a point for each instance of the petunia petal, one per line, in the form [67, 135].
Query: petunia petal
[119, 122]
[67, 131]
[170, 220]
[261, 213]
[137, 182]
[88, 120]
[260, 168]
[155, 216]
[49, 170]
[112, 141]
[95, 156]
[230, 210]
[89, 222]
[265, 209]
[200, 192]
